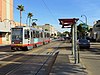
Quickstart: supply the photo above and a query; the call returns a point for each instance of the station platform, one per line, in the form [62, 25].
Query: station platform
[64, 64]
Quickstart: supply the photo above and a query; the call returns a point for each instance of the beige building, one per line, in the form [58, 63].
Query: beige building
[47, 27]
[51, 29]
[6, 9]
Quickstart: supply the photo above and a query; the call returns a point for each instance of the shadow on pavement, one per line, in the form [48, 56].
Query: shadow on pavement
[95, 50]
[67, 48]
[62, 66]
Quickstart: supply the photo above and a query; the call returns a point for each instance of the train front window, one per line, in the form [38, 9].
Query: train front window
[17, 33]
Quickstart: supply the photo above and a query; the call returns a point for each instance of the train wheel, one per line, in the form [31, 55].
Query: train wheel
[12, 48]
[43, 43]
[36, 45]
[24, 48]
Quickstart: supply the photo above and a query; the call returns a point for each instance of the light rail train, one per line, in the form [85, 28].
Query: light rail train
[26, 38]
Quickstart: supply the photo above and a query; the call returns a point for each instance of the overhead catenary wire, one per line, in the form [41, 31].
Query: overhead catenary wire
[15, 8]
[48, 9]
[44, 3]
[26, 13]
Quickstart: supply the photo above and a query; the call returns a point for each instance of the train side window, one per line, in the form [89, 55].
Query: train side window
[37, 34]
[31, 35]
[48, 35]
[45, 34]
[26, 34]
[34, 35]
[41, 35]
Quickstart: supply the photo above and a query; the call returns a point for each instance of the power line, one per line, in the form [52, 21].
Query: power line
[48, 8]
[26, 13]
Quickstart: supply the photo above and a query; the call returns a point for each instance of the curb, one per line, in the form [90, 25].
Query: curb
[83, 67]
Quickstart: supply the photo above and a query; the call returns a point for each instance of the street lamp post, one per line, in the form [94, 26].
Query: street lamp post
[85, 22]
[34, 22]
[85, 18]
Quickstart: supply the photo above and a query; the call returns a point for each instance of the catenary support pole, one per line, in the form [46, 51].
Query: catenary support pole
[73, 40]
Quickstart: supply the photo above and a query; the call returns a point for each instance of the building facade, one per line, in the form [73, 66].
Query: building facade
[51, 29]
[96, 31]
[48, 27]
[6, 19]
[6, 9]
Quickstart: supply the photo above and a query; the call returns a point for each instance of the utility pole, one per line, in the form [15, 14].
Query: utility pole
[85, 22]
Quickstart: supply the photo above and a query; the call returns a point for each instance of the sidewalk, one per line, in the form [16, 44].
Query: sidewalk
[64, 65]
[3, 45]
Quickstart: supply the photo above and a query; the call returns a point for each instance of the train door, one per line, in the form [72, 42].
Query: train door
[31, 38]
[27, 38]
[41, 36]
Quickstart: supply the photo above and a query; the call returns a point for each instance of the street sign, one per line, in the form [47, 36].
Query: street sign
[85, 26]
[67, 22]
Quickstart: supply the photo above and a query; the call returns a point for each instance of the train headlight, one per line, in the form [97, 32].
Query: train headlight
[20, 42]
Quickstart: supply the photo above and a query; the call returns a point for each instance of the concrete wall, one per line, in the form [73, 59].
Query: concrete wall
[5, 27]
[5, 32]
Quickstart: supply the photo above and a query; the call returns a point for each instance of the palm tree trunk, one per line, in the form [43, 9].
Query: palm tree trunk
[20, 17]
[27, 21]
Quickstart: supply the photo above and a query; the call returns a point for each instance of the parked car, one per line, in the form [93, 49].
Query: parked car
[61, 38]
[84, 43]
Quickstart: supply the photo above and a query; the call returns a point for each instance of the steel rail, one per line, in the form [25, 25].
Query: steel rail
[47, 59]
[12, 71]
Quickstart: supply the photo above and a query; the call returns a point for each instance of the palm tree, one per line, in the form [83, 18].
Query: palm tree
[81, 30]
[30, 17]
[20, 8]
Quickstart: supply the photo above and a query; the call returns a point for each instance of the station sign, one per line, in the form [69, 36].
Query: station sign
[68, 22]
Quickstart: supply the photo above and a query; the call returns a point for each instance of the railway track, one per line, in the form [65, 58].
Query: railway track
[33, 62]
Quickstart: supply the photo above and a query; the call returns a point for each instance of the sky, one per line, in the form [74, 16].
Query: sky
[49, 11]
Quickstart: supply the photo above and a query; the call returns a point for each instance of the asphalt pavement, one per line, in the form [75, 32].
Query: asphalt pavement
[91, 61]
[64, 64]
